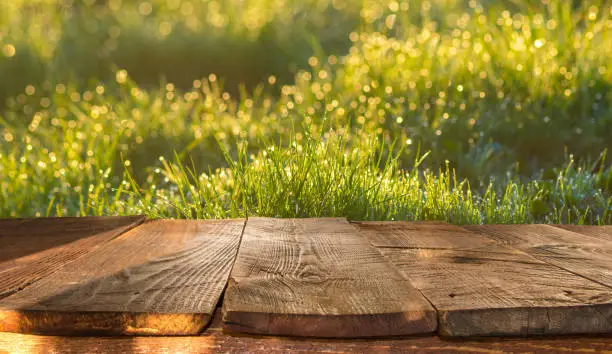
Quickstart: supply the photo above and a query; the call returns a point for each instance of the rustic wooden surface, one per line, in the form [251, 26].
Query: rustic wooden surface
[215, 340]
[318, 277]
[587, 256]
[163, 277]
[302, 277]
[482, 288]
[604, 231]
[34, 248]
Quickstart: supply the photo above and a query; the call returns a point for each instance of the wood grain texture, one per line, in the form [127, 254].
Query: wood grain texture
[587, 256]
[604, 231]
[31, 249]
[318, 277]
[162, 278]
[214, 340]
[481, 288]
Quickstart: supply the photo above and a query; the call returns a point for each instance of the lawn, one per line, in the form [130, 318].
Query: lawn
[465, 111]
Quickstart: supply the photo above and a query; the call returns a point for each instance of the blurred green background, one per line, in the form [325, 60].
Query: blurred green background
[498, 93]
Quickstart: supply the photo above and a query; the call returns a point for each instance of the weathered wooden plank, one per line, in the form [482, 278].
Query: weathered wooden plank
[215, 340]
[162, 278]
[318, 277]
[34, 248]
[482, 288]
[604, 231]
[587, 256]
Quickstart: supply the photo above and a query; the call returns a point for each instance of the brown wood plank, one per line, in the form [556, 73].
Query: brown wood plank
[215, 340]
[587, 256]
[162, 278]
[480, 287]
[34, 248]
[318, 277]
[604, 231]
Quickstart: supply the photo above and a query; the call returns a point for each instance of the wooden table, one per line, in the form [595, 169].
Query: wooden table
[127, 284]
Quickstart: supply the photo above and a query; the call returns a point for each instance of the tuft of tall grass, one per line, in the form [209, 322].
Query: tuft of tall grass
[314, 177]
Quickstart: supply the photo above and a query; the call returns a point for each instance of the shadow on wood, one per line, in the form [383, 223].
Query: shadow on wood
[23, 237]
[162, 278]
[34, 248]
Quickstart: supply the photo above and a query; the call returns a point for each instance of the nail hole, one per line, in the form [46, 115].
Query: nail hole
[452, 294]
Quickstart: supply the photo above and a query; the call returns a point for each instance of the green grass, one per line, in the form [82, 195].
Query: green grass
[492, 112]
[313, 178]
